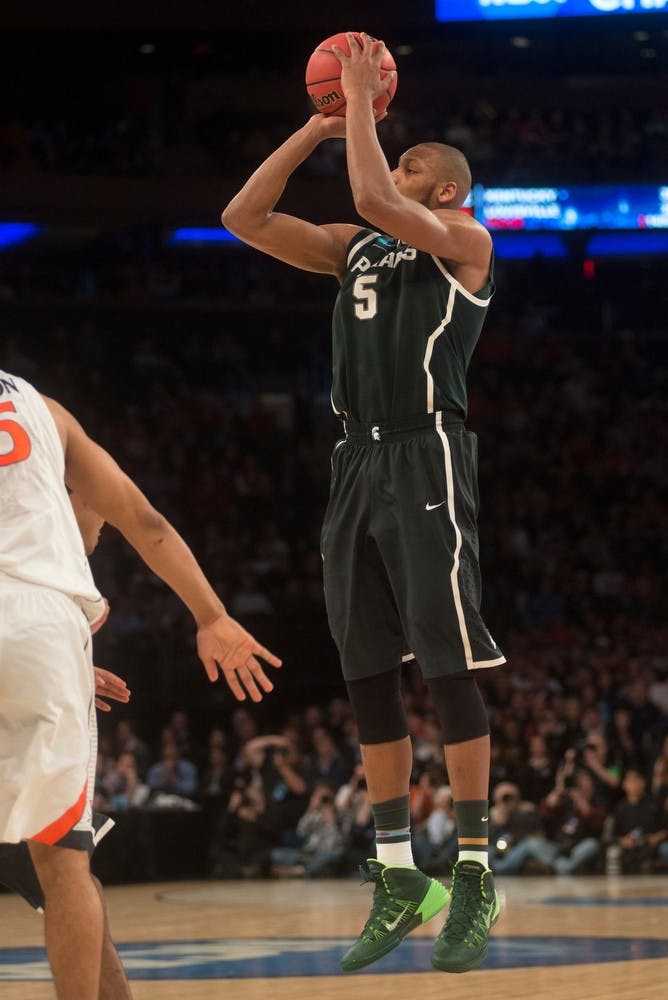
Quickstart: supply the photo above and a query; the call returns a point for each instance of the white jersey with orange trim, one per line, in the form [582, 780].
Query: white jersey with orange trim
[40, 541]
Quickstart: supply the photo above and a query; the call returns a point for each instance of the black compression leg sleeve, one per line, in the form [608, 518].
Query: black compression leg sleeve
[379, 707]
[460, 708]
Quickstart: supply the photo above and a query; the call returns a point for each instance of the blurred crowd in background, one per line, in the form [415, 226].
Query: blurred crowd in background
[527, 107]
[579, 781]
[504, 144]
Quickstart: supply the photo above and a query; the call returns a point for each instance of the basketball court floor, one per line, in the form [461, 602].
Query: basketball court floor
[594, 938]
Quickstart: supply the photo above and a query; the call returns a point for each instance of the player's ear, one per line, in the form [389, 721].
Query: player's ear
[446, 193]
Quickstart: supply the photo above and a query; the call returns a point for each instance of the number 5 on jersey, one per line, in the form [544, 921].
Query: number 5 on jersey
[20, 441]
[366, 297]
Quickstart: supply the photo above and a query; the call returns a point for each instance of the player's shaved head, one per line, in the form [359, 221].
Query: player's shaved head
[450, 164]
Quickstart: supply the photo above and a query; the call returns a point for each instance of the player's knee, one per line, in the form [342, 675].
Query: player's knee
[379, 708]
[460, 708]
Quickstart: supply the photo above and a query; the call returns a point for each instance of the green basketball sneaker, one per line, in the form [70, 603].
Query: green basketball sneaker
[403, 899]
[462, 944]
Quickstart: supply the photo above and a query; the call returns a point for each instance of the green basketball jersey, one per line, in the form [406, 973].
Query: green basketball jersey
[403, 332]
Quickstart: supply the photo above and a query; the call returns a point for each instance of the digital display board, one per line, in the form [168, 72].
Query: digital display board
[12, 233]
[497, 10]
[613, 206]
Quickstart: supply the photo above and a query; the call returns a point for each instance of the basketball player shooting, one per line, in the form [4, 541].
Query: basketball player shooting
[47, 685]
[399, 539]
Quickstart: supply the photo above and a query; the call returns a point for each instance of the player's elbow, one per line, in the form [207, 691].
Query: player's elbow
[373, 208]
[365, 203]
[240, 220]
[139, 522]
[231, 220]
[151, 525]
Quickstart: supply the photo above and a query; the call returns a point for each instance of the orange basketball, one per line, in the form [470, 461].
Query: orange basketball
[323, 78]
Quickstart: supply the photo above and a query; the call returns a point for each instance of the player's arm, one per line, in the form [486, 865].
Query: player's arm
[449, 234]
[101, 483]
[251, 216]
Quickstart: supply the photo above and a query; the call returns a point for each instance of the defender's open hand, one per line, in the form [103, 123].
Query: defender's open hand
[110, 686]
[223, 645]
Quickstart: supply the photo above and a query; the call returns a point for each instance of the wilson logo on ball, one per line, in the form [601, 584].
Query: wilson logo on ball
[326, 99]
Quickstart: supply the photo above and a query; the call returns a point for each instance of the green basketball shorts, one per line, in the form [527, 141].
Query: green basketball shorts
[400, 552]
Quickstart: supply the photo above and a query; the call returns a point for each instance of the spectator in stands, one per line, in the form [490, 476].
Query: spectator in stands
[573, 821]
[217, 778]
[283, 782]
[536, 776]
[241, 846]
[657, 691]
[515, 830]
[435, 839]
[322, 844]
[660, 772]
[179, 724]
[424, 782]
[127, 741]
[244, 726]
[605, 774]
[172, 775]
[353, 806]
[640, 825]
[427, 741]
[623, 748]
[326, 762]
[131, 792]
[648, 721]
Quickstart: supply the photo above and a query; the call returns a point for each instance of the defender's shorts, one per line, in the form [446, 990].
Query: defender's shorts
[18, 873]
[48, 735]
[400, 551]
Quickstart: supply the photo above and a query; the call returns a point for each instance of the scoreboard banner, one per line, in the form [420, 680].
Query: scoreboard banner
[609, 206]
[497, 10]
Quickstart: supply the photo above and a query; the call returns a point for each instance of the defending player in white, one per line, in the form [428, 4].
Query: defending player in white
[48, 602]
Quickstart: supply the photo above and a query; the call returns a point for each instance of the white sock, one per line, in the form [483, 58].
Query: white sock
[395, 855]
[480, 856]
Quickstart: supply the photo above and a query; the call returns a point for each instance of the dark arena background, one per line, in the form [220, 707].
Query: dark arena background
[204, 367]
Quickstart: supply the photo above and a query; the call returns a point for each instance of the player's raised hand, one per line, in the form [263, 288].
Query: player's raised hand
[361, 70]
[110, 686]
[328, 126]
[224, 645]
[334, 127]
